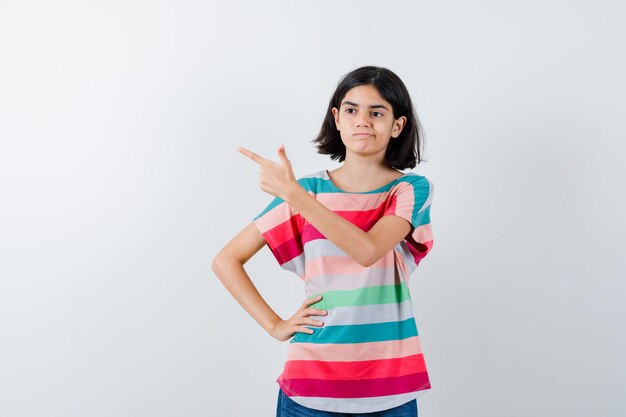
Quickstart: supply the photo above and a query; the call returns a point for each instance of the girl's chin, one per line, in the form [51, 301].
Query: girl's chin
[362, 149]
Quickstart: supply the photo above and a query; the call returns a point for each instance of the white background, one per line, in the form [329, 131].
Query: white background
[119, 183]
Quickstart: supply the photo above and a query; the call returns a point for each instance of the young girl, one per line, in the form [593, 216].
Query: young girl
[353, 235]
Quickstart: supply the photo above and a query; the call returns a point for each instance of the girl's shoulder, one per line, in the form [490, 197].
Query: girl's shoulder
[414, 177]
[416, 182]
[319, 181]
[312, 181]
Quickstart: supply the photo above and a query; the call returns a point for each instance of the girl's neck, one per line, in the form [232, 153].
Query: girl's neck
[363, 177]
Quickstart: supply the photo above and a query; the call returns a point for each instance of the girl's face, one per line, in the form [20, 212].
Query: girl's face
[365, 121]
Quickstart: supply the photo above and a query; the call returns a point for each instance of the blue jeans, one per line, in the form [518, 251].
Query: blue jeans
[286, 407]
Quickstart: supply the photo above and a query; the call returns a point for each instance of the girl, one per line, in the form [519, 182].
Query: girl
[353, 235]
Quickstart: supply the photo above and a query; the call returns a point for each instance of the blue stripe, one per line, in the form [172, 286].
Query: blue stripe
[359, 333]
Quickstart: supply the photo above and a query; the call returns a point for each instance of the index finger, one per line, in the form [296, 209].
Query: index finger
[255, 157]
[312, 300]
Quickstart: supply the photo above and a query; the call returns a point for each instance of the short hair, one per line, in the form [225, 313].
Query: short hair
[402, 152]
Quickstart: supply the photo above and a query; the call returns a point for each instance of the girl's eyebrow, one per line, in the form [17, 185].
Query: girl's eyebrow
[375, 106]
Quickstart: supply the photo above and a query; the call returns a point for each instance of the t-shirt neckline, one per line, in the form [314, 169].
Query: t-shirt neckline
[326, 176]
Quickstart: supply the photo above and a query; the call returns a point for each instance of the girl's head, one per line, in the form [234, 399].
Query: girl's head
[394, 126]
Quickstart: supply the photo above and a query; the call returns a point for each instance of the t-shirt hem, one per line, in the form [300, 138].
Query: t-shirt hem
[356, 408]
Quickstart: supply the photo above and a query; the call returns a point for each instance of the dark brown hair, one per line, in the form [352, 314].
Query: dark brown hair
[402, 152]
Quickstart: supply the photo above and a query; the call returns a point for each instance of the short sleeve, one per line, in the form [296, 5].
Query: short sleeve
[282, 229]
[411, 201]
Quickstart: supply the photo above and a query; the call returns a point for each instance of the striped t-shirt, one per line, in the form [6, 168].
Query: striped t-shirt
[367, 356]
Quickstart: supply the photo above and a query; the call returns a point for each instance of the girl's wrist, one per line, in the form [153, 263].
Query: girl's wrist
[293, 192]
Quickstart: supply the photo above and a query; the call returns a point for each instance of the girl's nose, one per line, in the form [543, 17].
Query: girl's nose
[363, 120]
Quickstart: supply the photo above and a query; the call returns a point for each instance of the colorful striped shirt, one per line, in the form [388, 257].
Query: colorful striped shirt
[367, 356]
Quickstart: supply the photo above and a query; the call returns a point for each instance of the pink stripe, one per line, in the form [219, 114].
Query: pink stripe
[287, 251]
[364, 219]
[281, 231]
[339, 202]
[347, 352]
[274, 217]
[340, 370]
[423, 233]
[330, 281]
[403, 203]
[342, 265]
[355, 389]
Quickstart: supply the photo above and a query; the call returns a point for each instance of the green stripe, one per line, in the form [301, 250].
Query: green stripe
[382, 294]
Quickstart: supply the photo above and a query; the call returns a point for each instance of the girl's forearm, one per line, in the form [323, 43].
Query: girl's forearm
[344, 234]
[234, 277]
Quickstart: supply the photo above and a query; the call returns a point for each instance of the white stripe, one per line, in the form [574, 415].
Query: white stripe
[358, 405]
[375, 313]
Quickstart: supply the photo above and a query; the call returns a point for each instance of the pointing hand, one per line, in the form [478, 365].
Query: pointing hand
[277, 179]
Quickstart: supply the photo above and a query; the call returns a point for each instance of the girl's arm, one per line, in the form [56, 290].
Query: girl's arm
[366, 248]
[228, 266]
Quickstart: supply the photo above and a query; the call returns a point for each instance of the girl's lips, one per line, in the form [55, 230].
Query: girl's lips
[362, 134]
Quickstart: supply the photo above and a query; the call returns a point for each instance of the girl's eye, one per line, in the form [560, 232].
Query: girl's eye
[374, 112]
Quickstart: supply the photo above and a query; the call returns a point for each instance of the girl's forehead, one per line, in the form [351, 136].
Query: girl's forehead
[363, 93]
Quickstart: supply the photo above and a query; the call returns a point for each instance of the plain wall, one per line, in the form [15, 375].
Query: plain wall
[119, 183]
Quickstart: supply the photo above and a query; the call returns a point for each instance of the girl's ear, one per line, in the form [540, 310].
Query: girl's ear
[398, 125]
[336, 116]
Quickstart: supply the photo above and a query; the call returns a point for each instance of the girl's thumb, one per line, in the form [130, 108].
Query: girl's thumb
[283, 155]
